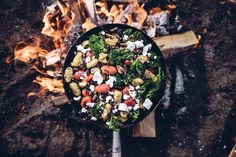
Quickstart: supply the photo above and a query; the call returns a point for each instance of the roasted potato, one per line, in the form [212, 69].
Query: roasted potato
[75, 88]
[68, 74]
[78, 60]
[137, 81]
[92, 63]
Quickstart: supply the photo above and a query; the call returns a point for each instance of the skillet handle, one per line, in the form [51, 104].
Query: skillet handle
[116, 145]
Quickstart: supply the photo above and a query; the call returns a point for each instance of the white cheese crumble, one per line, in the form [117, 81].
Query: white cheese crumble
[137, 87]
[98, 77]
[82, 49]
[131, 88]
[130, 45]
[77, 98]
[87, 59]
[149, 54]
[90, 104]
[125, 37]
[133, 94]
[92, 87]
[84, 110]
[136, 107]
[108, 123]
[111, 81]
[146, 49]
[103, 33]
[110, 92]
[130, 108]
[155, 57]
[123, 107]
[114, 111]
[138, 44]
[147, 104]
[108, 98]
[94, 118]
[125, 96]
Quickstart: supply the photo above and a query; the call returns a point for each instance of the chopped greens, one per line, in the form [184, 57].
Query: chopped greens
[97, 44]
[135, 115]
[118, 56]
[114, 122]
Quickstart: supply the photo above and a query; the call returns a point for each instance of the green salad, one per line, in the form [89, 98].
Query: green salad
[114, 77]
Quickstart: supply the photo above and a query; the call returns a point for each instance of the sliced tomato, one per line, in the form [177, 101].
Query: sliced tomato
[130, 102]
[86, 92]
[88, 78]
[127, 62]
[102, 88]
[86, 99]
[78, 74]
[126, 90]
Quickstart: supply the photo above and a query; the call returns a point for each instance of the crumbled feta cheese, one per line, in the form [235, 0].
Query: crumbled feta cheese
[92, 87]
[123, 107]
[108, 98]
[130, 45]
[147, 104]
[125, 37]
[149, 54]
[130, 108]
[131, 88]
[79, 47]
[81, 77]
[110, 92]
[103, 33]
[146, 49]
[136, 107]
[125, 96]
[87, 59]
[137, 87]
[108, 123]
[94, 118]
[84, 110]
[111, 81]
[114, 111]
[155, 57]
[98, 77]
[138, 44]
[90, 104]
[133, 94]
[77, 98]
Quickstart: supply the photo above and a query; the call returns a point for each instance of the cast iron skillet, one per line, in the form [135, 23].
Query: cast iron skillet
[71, 55]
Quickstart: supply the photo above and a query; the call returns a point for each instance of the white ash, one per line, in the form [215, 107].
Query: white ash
[167, 93]
[151, 31]
[179, 82]
[181, 111]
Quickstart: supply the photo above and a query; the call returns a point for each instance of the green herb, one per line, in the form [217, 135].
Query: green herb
[94, 111]
[118, 56]
[127, 32]
[119, 80]
[114, 122]
[137, 36]
[97, 44]
[135, 115]
[137, 66]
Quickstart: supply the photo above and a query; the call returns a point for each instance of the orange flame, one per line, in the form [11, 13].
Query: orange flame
[48, 85]
[58, 22]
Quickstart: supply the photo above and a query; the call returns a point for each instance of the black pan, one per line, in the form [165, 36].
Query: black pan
[71, 55]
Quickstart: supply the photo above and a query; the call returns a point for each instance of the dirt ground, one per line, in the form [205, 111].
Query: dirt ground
[198, 120]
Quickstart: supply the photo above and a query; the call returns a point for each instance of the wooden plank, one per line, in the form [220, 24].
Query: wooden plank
[146, 128]
[171, 44]
[233, 152]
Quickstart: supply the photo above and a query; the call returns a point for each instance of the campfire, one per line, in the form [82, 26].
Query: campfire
[60, 22]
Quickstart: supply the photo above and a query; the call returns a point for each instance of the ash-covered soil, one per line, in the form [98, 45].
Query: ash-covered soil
[196, 118]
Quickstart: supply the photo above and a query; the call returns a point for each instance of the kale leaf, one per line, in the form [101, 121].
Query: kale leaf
[118, 56]
[97, 44]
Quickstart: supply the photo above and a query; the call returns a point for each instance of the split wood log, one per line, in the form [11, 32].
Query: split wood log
[233, 152]
[172, 44]
[146, 128]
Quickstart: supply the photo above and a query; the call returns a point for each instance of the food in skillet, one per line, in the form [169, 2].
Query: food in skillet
[114, 77]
